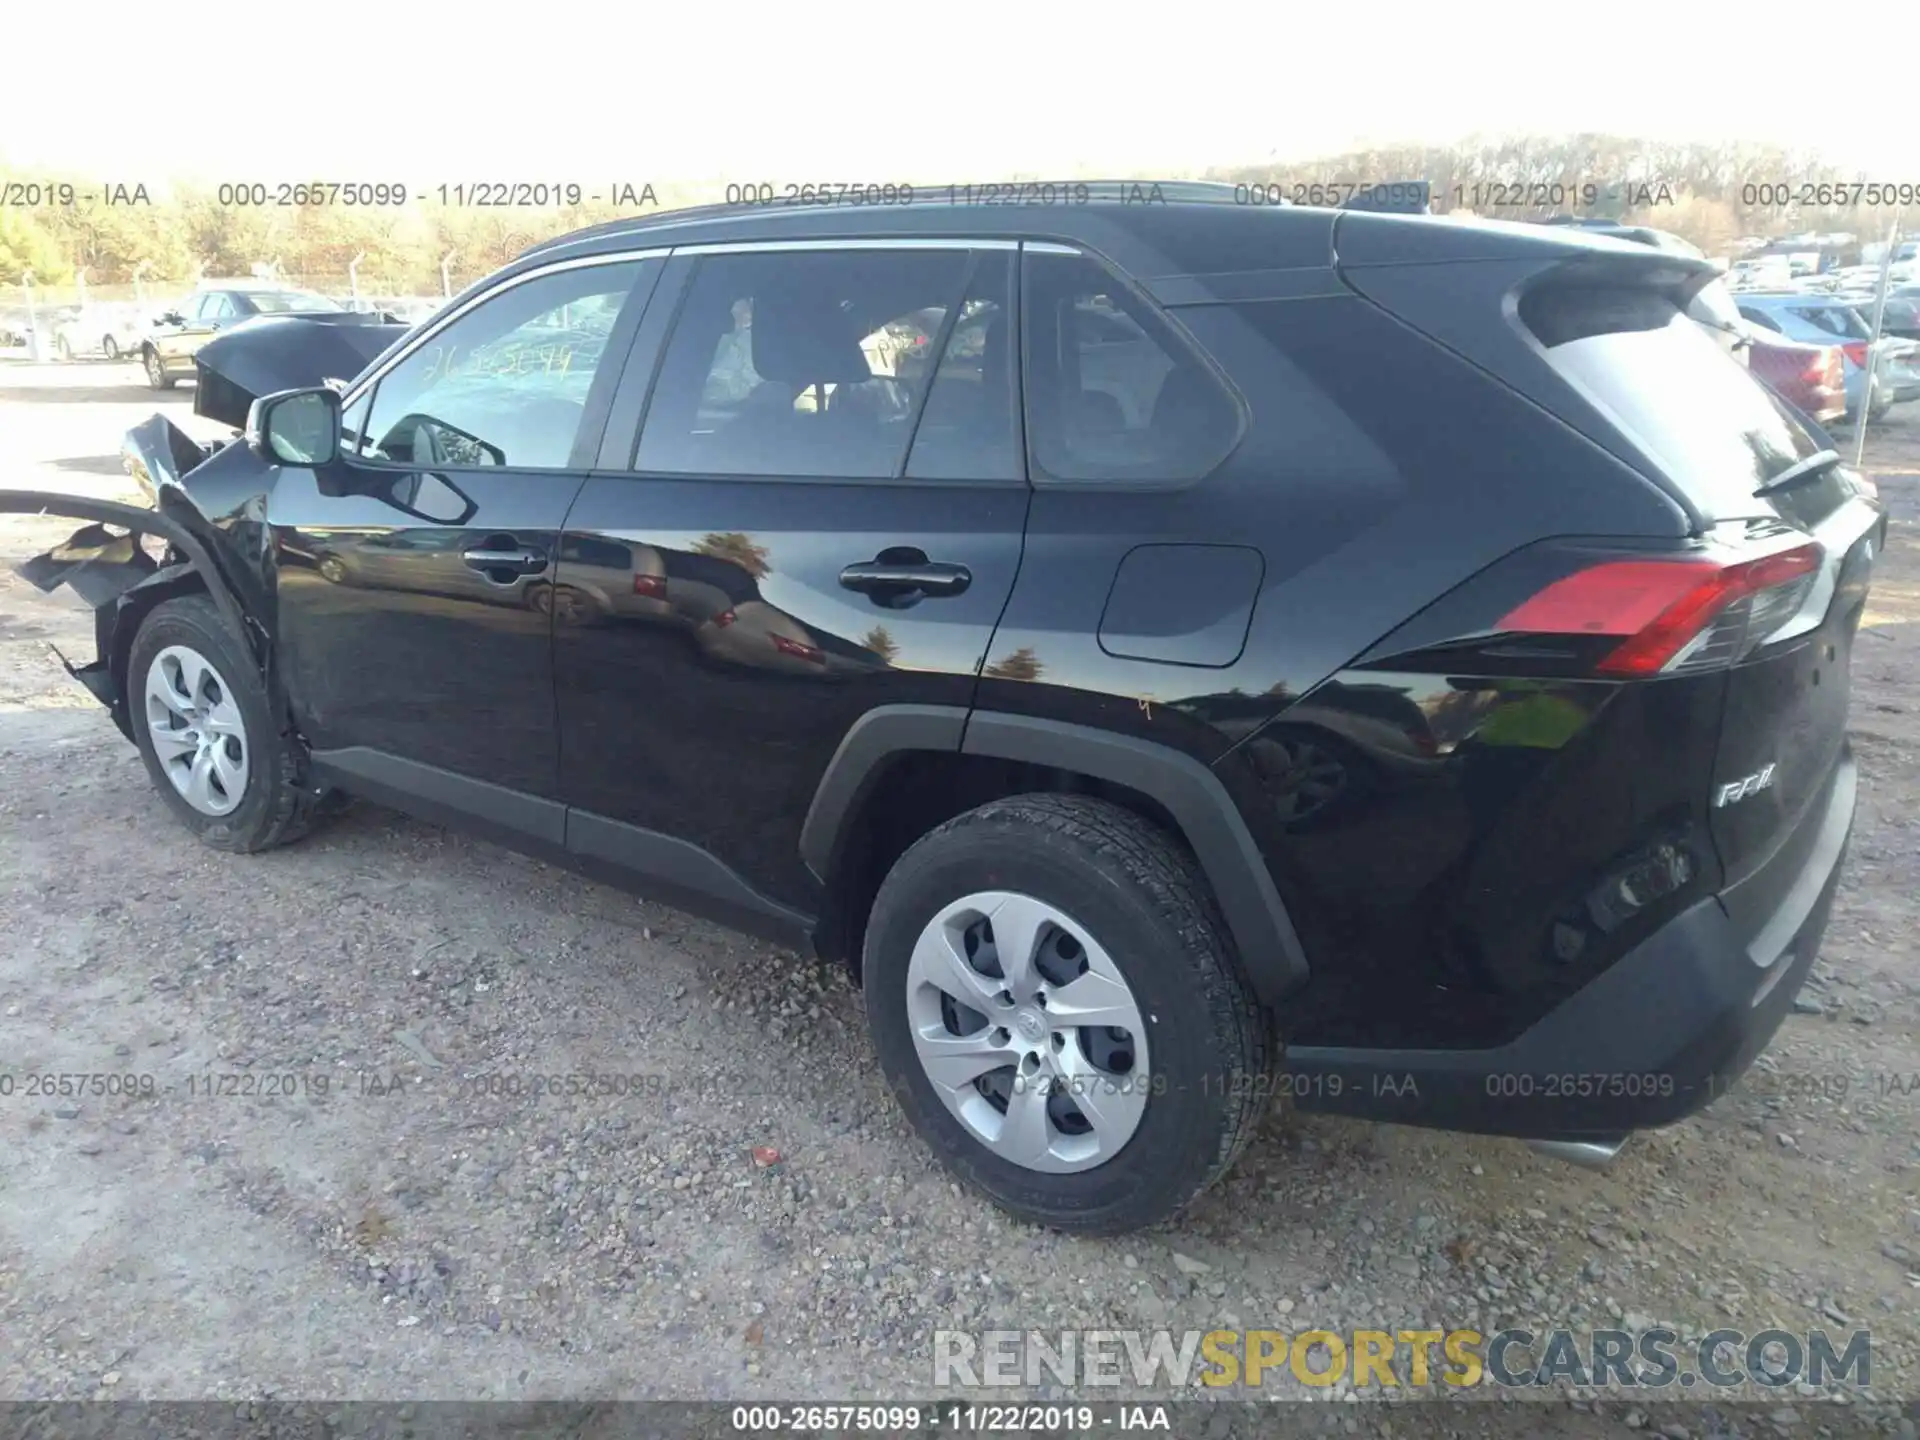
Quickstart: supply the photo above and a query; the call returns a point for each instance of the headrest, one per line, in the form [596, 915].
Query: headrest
[805, 338]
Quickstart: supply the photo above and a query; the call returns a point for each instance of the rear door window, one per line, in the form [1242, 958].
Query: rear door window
[815, 363]
[970, 428]
[1714, 430]
[1113, 392]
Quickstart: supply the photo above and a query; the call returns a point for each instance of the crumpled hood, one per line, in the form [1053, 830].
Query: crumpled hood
[285, 352]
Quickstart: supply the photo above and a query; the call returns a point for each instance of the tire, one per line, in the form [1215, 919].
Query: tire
[157, 377]
[270, 808]
[1102, 875]
[62, 348]
[109, 347]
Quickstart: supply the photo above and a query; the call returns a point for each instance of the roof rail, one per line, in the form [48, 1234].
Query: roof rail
[955, 193]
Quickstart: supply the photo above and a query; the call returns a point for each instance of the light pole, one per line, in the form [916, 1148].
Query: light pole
[1873, 345]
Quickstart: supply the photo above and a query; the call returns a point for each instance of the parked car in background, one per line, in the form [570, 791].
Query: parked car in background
[168, 349]
[1901, 316]
[110, 331]
[1758, 271]
[1872, 380]
[1811, 378]
[16, 330]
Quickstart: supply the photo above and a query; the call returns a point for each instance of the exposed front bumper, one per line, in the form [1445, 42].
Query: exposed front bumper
[1661, 1033]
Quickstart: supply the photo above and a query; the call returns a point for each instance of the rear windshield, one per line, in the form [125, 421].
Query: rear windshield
[1697, 411]
[1837, 320]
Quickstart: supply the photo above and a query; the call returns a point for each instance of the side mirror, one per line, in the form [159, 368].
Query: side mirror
[431, 497]
[296, 427]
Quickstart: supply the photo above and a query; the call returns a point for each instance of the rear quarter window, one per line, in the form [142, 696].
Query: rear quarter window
[1661, 379]
[1114, 393]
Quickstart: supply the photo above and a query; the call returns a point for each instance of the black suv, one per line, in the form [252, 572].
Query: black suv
[1181, 655]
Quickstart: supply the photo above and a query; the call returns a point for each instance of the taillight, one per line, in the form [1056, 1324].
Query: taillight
[652, 586]
[796, 649]
[1673, 616]
[1823, 367]
[1857, 352]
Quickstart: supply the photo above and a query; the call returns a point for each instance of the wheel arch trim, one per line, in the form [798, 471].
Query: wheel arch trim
[1263, 932]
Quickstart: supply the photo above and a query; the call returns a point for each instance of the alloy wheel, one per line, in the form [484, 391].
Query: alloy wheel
[156, 373]
[110, 347]
[1028, 1032]
[196, 730]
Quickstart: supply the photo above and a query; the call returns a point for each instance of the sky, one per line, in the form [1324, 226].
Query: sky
[859, 92]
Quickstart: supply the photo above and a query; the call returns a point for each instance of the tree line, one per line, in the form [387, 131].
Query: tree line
[1709, 194]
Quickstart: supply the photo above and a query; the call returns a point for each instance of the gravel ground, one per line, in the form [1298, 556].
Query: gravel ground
[369, 1222]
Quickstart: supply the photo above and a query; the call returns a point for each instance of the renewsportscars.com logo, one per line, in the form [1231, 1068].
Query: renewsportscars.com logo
[1654, 1358]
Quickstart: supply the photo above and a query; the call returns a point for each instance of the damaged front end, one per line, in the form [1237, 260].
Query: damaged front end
[107, 564]
[110, 561]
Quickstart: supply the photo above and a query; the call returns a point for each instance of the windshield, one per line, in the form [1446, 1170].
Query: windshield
[1713, 429]
[279, 302]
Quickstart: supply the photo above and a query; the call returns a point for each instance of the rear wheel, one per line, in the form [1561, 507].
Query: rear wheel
[1057, 1007]
[157, 376]
[109, 347]
[210, 739]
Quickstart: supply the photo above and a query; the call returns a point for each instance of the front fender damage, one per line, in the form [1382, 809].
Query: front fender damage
[116, 575]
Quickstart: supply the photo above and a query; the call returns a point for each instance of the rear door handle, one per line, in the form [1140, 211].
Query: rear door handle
[903, 581]
[515, 562]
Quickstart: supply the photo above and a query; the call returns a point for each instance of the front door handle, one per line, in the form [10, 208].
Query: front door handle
[904, 576]
[513, 562]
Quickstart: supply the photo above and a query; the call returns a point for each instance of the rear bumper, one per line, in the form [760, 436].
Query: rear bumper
[1661, 1033]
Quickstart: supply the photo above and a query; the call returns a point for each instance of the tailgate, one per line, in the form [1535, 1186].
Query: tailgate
[1784, 726]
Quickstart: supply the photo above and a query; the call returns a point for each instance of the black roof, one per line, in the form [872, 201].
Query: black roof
[1151, 229]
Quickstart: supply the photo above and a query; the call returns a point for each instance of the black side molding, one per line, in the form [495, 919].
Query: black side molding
[1262, 930]
[443, 796]
[882, 732]
[674, 866]
[670, 870]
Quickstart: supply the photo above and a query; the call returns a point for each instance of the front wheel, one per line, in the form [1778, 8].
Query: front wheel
[1057, 1007]
[109, 347]
[157, 376]
[207, 733]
